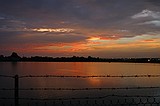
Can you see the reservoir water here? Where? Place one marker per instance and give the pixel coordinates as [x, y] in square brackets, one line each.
[63, 88]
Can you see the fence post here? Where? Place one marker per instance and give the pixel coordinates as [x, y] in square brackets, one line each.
[16, 91]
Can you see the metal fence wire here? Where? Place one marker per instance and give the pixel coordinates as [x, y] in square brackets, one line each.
[131, 101]
[106, 100]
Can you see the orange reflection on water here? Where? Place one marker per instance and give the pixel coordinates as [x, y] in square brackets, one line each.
[94, 81]
[82, 69]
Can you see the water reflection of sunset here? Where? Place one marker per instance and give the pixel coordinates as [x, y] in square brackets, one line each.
[83, 69]
[94, 81]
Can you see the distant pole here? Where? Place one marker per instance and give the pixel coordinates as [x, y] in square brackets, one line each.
[16, 91]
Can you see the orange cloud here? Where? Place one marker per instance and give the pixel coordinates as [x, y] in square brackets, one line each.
[53, 29]
[148, 40]
[102, 38]
[93, 38]
[90, 45]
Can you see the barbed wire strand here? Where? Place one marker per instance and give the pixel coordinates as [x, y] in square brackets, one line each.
[87, 76]
[75, 89]
[89, 98]
[109, 102]
[91, 76]
[101, 97]
[6, 76]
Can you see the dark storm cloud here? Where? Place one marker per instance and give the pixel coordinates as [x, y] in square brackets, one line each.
[79, 9]
[17, 37]
[87, 13]
[155, 2]
[100, 14]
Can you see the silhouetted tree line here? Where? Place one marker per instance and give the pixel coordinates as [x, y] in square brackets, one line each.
[15, 58]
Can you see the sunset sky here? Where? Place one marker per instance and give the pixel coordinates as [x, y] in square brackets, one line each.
[100, 28]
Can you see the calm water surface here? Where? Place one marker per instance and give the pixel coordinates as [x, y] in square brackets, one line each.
[77, 68]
